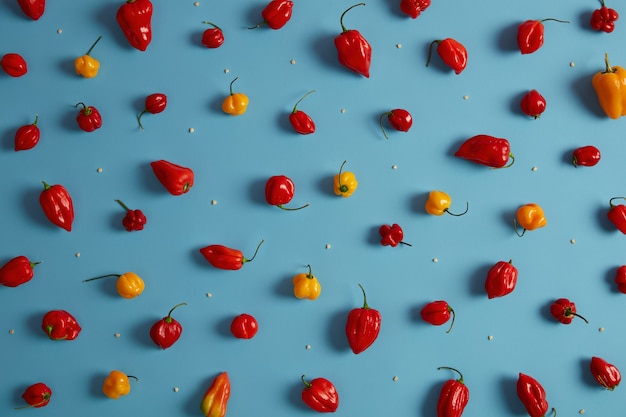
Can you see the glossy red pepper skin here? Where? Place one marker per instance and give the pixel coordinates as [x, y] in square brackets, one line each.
[617, 215]
[532, 395]
[279, 190]
[451, 52]
[213, 37]
[301, 122]
[223, 257]
[400, 119]
[438, 313]
[57, 205]
[276, 14]
[362, 326]
[60, 325]
[134, 17]
[176, 179]
[530, 35]
[501, 279]
[413, 8]
[134, 220]
[320, 395]
[354, 51]
[17, 271]
[88, 118]
[603, 19]
[620, 279]
[453, 397]
[586, 156]
[486, 150]
[564, 311]
[244, 326]
[604, 373]
[533, 104]
[391, 235]
[33, 8]
[165, 332]
[37, 395]
[154, 104]
[14, 65]
[27, 136]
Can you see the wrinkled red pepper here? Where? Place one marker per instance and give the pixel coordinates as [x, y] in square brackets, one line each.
[176, 179]
[155, 103]
[532, 395]
[135, 19]
[564, 311]
[501, 279]
[57, 205]
[620, 279]
[14, 64]
[300, 121]
[604, 373]
[437, 313]
[165, 332]
[212, 37]
[391, 235]
[399, 119]
[276, 14]
[586, 156]
[88, 118]
[617, 214]
[451, 52]
[603, 19]
[37, 395]
[17, 271]
[530, 35]
[533, 104]
[354, 51]
[134, 220]
[244, 326]
[413, 8]
[223, 257]
[279, 190]
[453, 397]
[60, 325]
[486, 150]
[362, 326]
[320, 395]
[27, 136]
[33, 8]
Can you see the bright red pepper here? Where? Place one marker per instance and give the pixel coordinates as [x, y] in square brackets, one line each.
[605, 374]
[617, 214]
[244, 326]
[276, 14]
[413, 8]
[165, 332]
[300, 121]
[399, 119]
[354, 51]
[391, 235]
[88, 118]
[501, 279]
[620, 279]
[320, 395]
[586, 156]
[279, 190]
[453, 397]
[564, 311]
[212, 37]
[176, 179]
[134, 220]
[14, 65]
[135, 19]
[532, 395]
[437, 313]
[223, 257]
[27, 136]
[37, 395]
[57, 205]
[155, 103]
[530, 35]
[17, 271]
[60, 325]
[486, 150]
[362, 326]
[603, 19]
[533, 104]
[33, 8]
[451, 52]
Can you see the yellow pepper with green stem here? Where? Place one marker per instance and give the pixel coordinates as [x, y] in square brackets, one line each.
[128, 285]
[86, 65]
[610, 87]
[235, 104]
[439, 202]
[345, 183]
[306, 285]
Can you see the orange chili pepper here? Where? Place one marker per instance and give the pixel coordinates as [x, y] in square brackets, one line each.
[610, 87]
[306, 285]
[439, 202]
[117, 384]
[529, 217]
[216, 398]
[235, 104]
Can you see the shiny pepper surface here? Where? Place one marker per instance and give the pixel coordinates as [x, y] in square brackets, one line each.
[33, 8]
[586, 156]
[86, 65]
[413, 8]
[529, 217]
[399, 119]
[135, 19]
[437, 313]
[154, 104]
[17, 271]
[453, 397]
[603, 19]
[244, 326]
[176, 179]
[532, 395]
[116, 384]
[530, 35]
[27, 136]
[564, 311]
[14, 65]
[223, 257]
[362, 326]
[604, 373]
[279, 190]
[134, 220]
[306, 285]
[486, 150]
[215, 400]
[37, 395]
[501, 279]
[354, 51]
[451, 52]
[276, 14]
[235, 104]
[212, 37]
[60, 325]
[610, 88]
[320, 395]
[391, 235]
[57, 205]
[88, 118]
[301, 122]
[165, 332]
[620, 279]
[128, 285]
[617, 214]
[533, 104]
[439, 202]
[345, 183]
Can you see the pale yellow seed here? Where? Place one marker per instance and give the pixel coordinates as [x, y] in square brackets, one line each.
[601, 329]
[395, 378]
[191, 130]
[196, 3]
[328, 246]
[175, 389]
[226, 71]
[582, 411]
[399, 46]
[59, 31]
[11, 331]
[394, 167]
[99, 169]
[213, 202]
[293, 61]
[572, 241]
[435, 260]
[77, 254]
[117, 335]
[343, 110]
[534, 169]
[307, 347]
[465, 97]
[490, 337]
[571, 64]
[209, 295]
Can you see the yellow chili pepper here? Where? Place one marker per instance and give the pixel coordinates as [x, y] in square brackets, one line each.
[529, 217]
[306, 285]
[117, 384]
[128, 285]
[439, 202]
[86, 65]
[345, 182]
[215, 399]
[610, 87]
[235, 104]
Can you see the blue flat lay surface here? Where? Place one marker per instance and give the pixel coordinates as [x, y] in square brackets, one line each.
[575, 256]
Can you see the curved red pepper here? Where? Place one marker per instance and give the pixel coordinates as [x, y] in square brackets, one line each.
[413, 8]
[14, 64]
[437, 313]
[33, 8]
[533, 104]
[362, 326]
[486, 150]
[57, 205]
[60, 325]
[223, 257]
[604, 373]
[564, 311]
[37, 395]
[176, 179]
[453, 397]
[212, 37]
[300, 121]
[530, 35]
[603, 19]
[27, 136]
[88, 118]
[244, 326]
[399, 119]
[391, 235]
[17, 271]
[276, 14]
[501, 279]
[354, 51]
[451, 52]
[320, 395]
[135, 19]
[279, 190]
[617, 214]
[586, 156]
[155, 103]
[532, 395]
[165, 332]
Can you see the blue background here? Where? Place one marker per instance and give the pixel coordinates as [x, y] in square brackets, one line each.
[232, 157]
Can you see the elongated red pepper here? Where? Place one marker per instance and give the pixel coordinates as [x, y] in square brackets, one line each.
[176, 179]
[215, 400]
[530, 35]
[320, 395]
[57, 205]
[617, 214]
[451, 52]
[354, 51]
[276, 14]
[532, 395]
[501, 279]
[223, 257]
[37, 395]
[486, 150]
[362, 326]
[437, 313]
[453, 397]
[413, 8]
[27, 136]
[604, 373]
[135, 19]
[17, 271]
[60, 325]
[33, 8]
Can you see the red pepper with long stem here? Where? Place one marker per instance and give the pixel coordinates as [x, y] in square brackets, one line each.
[165, 332]
[586, 156]
[135, 19]
[532, 395]
[603, 19]
[60, 325]
[530, 35]
[486, 150]
[176, 179]
[564, 311]
[453, 397]
[88, 118]
[27, 136]
[154, 104]
[604, 373]
[134, 220]
[437, 313]
[33, 8]
[391, 235]
[451, 52]
[17, 271]
[362, 326]
[212, 37]
[400, 119]
[320, 395]
[276, 14]
[354, 51]
[533, 104]
[279, 190]
[223, 257]
[57, 205]
[300, 121]
[501, 279]
[413, 8]
[37, 395]
[14, 64]
[617, 214]
[244, 326]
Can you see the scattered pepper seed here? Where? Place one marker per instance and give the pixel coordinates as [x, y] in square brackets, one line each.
[399, 46]
[175, 389]
[328, 246]
[117, 335]
[571, 64]
[59, 31]
[395, 378]
[77, 254]
[343, 110]
[213, 202]
[191, 130]
[465, 97]
[435, 260]
[307, 347]
[209, 295]
[490, 337]
[534, 169]
[99, 169]
[226, 71]
[601, 329]
[11, 331]
[572, 241]
[394, 167]
[582, 411]
[293, 61]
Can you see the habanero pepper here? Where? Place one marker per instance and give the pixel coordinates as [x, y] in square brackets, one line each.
[57, 205]
[176, 179]
[604, 373]
[617, 214]
[244, 326]
[603, 19]
[88, 118]
[437, 313]
[501, 279]
[354, 51]
[223, 257]
[486, 150]
[532, 395]
[453, 397]
[215, 400]
[134, 220]
[27, 136]
[154, 104]
[165, 332]
[530, 35]
[301, 122]
[391, 235]
[451, 52]
[14, 64]
[620, 279]
[399, 119]
[529, 217]
[60, 325]
[33, 8]
[212, 37]
[413, 8]
[306, 285]
[235, 104]
[17, 271]
[362, 326]
[134, 17]
[128, 285]
[117, 384]
[37, 395]
[279, 190]
[276, 14]
[86, 65]
[320, 395]
[586, 156]
[564, 311]
[344, 183]
[533, 104]
[439, 202]
[610, 88]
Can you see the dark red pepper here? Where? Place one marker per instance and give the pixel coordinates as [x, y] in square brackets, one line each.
[533, 104]
[586, 156]
[244, 326]
[486, 150]
[413, 8]
[399, 119]
[17, 271]
[27, 136]
[155, 103]
[300, 121]
[501, 279]
[564, 311]
[605, 374]
[320, 395]
[165, 332]
[37, 395]
[135, 19]
[279, 190]
[57, 205]
[223, 257]
[14, 65]
[451, 52]
[617, 214]
[212, 37]
[530, 35]
[532, 395]
[354, 51]
[362, 326]
[134, 220]
[453, 397]
[33, 8]
[620, 279]
[176, 179]
[60, 325]
[603, 19]
[391, 235]
[276, 14]
[437, 313]
[88, 118]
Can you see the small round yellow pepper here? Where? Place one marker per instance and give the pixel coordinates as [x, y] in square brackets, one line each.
[116, 384]
[306, 285]
[439, 202]
[345, 183]
[235, 104]
[529, 217]
[86, 65]
[128, 285]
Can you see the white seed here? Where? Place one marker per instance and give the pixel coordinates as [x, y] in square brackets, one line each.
[394, 167]
[213, 202]
[209, 295]
[293, 61]
[77, 254]
[117, 335]
[465, 97]
[99, 169]
[572, 241]
[571, 64]
[435, 260]
[601, 329]
[226, 71]
[534, 169]
[343, 110]
[582, 411]
[196, 3]
[399, 46]
[175, 389]
[328, 246]
[11, 331]
[307, 347]
[59, 31]
[191, 130]
[490, 337]
[395, 378]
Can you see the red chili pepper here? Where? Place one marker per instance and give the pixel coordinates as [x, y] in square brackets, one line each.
[486, 150]
[165, 332]
[57, 205]
[276, 14]
[60, 325]
[617, 214]
[362, 326]
[413, 8]
[605, 374]
[223, 257]
[176, 179]
[620, 279]
[564, 311]
[155, 103]
[135, 19]
[530, 35]
[212, 37]
[603, 19]
[279, 190]
[14, 64]
[501, 279]
[17, 271]
[300, 121]
[37, 395]
[134, 220]
[532, 395]
[533, 104]
[451, 52]
[33, 8]
[88, 118]
[320, 395]
[399, 119]
[27, 136]
[354, 51]
[586, 156]
[437, 313]
[453, 397]
[244, 326]
[391, 235]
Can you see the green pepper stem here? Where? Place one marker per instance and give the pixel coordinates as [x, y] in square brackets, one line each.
[453, 317]
[516, 230]
[310, 274]
[459, 214]
[364, 297]
[568, 313]
[555, 20]
[608, 69]
[124, 206]
[255, 252]
[342, 188]
[280, 206]
[306, 383]
[388, 114]
[455, 370]
[169, 315]
[430, 50]
[102, 276]
[94, 44]
[510, 163]
[615, 198]
[295, 108]
[46, 186]
[231, 85]
[36, 120]
[212, 24]
[343, 28]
